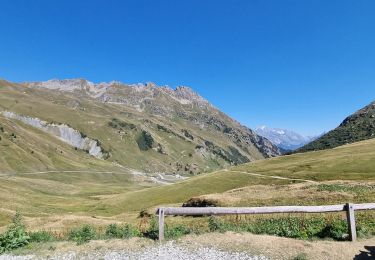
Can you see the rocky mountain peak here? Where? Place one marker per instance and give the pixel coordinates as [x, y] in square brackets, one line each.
[62, 84]
[164, 122]
[186, 93]
[116, 90]
[150, 85]
[284, 138]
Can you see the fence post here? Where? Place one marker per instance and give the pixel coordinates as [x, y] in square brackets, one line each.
[161, 224]
[351, 221]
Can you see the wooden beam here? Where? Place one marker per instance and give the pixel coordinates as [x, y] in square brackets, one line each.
[196, 211]
[351, 221]
[364, 206]
[161, 223]
[193, 211]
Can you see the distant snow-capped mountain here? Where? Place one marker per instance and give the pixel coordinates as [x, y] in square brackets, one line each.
[283, 138]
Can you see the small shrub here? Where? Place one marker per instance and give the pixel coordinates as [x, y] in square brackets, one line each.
[201, 202]
[176, 231]
[293, 227]
[285, 227]
[153, 230]
[365, 225]
[214, 224]
[106, 154]
[337, 230]
[40, 236]
[112, 124]
[171, 232]
[82, 235]
[187, 134]
[145, 141]
[301, 256]
[15, 236]
[83, 135]
[118, 124]
[126, 231]
[144, 214]
[113, 231]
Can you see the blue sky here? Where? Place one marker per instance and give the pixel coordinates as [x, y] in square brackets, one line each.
[302, 65]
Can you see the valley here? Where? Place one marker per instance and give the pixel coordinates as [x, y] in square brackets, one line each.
[159, 130]
[74, 153]
[64, 199]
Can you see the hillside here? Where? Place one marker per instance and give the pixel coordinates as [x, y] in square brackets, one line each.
[354, 162]
[75, 124]
[58, 200]
[356, 127]
[73, 153]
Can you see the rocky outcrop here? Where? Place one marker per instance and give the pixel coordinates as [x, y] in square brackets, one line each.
[128, 94]
[63, 132]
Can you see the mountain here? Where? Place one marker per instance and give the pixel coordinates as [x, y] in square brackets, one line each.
[356, 127]
[74, 123]
[286, 140]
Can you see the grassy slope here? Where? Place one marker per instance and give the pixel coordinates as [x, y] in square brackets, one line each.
[177, 193]
[110, 196]
[92, 118]
[45, 195]
[357, 127]
[350, 162]
[25, 149]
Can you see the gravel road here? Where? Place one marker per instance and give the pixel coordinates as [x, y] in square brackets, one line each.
[166, 251]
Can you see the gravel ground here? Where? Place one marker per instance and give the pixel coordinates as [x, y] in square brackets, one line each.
[166, 251]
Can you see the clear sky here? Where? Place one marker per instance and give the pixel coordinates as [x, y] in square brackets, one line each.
[302, 65]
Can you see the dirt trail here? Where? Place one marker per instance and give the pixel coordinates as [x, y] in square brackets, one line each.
[280, 248]
[272, 176]
[207, 246]
[59, 171]
[158, 178]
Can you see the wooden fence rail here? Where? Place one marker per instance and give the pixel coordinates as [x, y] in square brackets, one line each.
[349, 208]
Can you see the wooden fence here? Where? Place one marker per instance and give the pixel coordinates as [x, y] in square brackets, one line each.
[349, 208]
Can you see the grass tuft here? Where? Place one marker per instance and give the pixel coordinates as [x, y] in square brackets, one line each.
[41, 236]
[82, 235]
[15, 236]
[125, 231]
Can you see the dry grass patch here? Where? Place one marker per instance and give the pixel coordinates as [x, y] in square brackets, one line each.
[292, 194]
[278, 248]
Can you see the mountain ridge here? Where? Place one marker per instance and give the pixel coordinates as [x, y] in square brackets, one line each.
[182, 94]
[141, 126]
[356, 127]
[285, 139]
